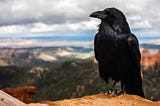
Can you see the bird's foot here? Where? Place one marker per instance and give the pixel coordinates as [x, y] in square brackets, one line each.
[118, 92]
[115, 92]
[110, 93]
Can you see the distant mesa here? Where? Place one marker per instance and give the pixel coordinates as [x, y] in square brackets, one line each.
[148, 59]
[46, 57]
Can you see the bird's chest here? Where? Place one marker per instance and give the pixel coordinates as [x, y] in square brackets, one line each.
[114, 45]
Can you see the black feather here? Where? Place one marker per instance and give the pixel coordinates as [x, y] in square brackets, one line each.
[117, 51]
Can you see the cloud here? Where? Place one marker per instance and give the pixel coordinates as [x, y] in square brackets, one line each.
[47, 11]
[40, 27]
[27, 16]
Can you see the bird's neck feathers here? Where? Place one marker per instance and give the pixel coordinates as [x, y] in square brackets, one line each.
[122, 27]
[119, 28]
[105, 27]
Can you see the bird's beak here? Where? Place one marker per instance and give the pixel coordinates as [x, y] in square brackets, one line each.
[98, 14]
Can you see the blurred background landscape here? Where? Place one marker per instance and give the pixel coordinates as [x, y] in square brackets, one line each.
[52, 49]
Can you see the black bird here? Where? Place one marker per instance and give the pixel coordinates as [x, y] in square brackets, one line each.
[117, 51]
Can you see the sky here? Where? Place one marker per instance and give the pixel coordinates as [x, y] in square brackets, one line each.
[71, 17]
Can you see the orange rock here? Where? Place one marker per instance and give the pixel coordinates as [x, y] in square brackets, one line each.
[103, 100]
[148, 59]
[22, 93]
[36, 104]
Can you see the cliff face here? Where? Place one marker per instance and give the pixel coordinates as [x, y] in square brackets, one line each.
[22, 93]
[13, 57]
[148, 59]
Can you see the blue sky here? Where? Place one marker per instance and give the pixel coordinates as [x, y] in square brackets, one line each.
[27, 18]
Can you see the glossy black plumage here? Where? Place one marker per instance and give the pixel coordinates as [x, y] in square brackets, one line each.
[117, 51]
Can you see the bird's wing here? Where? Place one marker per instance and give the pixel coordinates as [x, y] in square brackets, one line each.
[96, 47]
[134, 50]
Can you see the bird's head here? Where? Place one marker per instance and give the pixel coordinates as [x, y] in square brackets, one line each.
[114, 17]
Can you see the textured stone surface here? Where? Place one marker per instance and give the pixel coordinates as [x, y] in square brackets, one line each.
[7, 100]
[148, 59]
[22, 93]
[103, 100]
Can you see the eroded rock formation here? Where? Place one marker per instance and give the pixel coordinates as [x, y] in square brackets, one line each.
[22, 93]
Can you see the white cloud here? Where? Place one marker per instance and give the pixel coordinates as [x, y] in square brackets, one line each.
[84, 25]
[138, 22]
[27, 16]
[43, 27]
[12, 29]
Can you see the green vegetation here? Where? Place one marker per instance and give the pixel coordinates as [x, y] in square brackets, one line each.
[71, 78]
[151, 79]
[68, 80]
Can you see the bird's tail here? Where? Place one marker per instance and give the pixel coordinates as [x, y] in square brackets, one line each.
[134, 85]
[134, 90]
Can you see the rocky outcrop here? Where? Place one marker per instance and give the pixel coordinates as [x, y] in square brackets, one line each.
[102, 100]
[22, 93]
[148, 59]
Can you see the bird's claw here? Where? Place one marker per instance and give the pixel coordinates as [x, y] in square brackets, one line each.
[110, 93]
[113, 93]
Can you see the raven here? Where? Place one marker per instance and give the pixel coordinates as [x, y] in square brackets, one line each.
[117, 51]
